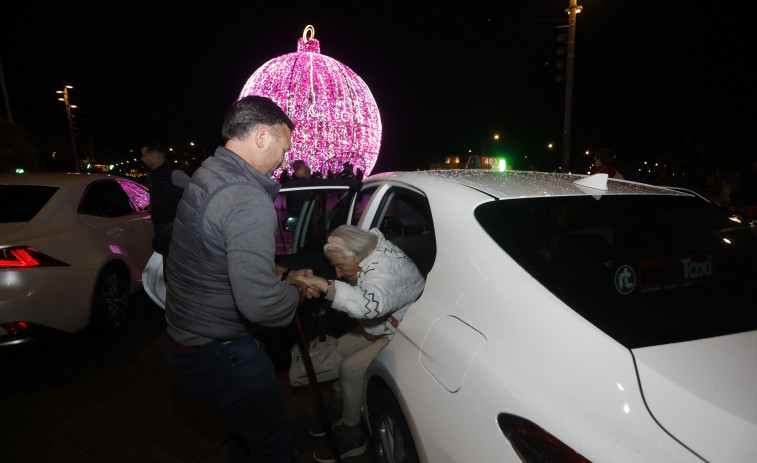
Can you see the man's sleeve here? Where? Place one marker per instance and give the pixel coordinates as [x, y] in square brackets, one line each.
[180, 178]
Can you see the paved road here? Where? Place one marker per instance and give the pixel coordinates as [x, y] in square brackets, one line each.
[90, 398]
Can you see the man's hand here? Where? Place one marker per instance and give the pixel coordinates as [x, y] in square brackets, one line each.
[316, 285]
[303, 272]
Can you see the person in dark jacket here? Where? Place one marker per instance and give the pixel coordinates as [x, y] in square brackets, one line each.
[222, 285]
[166, 185]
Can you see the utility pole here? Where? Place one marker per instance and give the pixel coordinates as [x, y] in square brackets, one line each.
[572, 11]
[70, 117]
[5, 94]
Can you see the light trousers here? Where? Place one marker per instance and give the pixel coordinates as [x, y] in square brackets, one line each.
[358, 352]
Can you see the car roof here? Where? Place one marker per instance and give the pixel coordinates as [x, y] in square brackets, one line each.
[519, 184]
[59, 179]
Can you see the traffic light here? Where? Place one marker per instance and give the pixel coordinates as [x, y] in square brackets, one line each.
[562, 52]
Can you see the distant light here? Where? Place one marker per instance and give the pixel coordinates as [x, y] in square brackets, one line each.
[19, 171]
[727, 241]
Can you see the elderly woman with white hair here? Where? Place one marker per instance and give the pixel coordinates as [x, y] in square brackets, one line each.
[379, 284]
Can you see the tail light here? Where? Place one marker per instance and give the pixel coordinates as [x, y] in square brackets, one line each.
[25, 257]
[17, 327]
[535, 445]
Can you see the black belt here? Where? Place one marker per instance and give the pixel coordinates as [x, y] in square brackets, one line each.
[187, 349]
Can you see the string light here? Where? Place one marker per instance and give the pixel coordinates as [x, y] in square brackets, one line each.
[336, 118]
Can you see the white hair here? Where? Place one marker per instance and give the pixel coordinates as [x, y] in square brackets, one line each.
[359, 243]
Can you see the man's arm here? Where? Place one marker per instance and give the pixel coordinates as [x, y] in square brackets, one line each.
[180, 178]
[248, 226]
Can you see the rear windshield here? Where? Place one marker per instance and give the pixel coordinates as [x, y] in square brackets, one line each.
[22, 202]
[646, 270]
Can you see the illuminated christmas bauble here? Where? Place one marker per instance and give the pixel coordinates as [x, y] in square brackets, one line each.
[336, 118]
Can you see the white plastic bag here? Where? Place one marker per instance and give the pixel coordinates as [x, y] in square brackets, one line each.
[325, 358]
[153, 280]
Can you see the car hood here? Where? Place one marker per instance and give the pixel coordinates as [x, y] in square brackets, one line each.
[703, 393]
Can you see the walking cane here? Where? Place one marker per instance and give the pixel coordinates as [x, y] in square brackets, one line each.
[322, 414]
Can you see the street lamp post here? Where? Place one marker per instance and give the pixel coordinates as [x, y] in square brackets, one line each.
[70, 117]
[572, 11]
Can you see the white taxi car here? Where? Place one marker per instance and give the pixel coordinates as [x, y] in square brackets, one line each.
[565, 318]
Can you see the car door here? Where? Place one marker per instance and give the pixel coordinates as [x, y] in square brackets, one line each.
[403, 215]
[308, 211]
[120, 226]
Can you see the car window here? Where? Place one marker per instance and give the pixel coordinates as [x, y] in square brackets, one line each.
[105, 198]
[361, 202]
[647, 270]
[22, 202]
[404, 218]
[139, 195]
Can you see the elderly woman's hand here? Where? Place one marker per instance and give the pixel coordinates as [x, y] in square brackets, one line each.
[316, 284]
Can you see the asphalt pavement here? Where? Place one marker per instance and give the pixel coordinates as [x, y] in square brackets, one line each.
[93, 398]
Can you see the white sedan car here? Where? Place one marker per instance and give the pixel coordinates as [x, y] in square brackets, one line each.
[72, 249]
[564, 319]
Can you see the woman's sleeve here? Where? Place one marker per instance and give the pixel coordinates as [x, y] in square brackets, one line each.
[384, 289]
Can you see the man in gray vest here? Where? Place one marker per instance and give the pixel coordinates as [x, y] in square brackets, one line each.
[222, 285]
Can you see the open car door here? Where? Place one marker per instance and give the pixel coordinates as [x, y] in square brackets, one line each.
[308, 211]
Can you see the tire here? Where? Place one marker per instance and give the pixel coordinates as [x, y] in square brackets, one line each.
[392, 441]
[110, 302]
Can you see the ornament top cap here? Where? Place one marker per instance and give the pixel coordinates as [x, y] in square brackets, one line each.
[308, 44]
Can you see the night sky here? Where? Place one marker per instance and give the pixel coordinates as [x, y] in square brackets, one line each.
[648, 78]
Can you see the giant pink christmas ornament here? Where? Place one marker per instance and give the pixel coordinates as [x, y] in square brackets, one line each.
[336, 118]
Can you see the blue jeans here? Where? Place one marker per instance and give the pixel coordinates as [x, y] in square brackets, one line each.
[238, 381]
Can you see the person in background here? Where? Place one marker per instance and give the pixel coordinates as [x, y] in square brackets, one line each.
[166, 185]
[347, 173]
[373, 270]
[604, 163]
[296, 199]
[223, 286]
[300, 170]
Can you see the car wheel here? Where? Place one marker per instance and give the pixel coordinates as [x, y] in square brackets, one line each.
[110, 304]
[392, 441]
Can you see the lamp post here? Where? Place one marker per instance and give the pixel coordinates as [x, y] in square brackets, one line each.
[572, 10]
[70, 117]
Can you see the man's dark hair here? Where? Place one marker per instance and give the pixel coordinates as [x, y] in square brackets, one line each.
[245, 115]
[605, 155]
[157, 148]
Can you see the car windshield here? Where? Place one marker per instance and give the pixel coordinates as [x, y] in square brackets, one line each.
[22, 202]
[646, 270]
